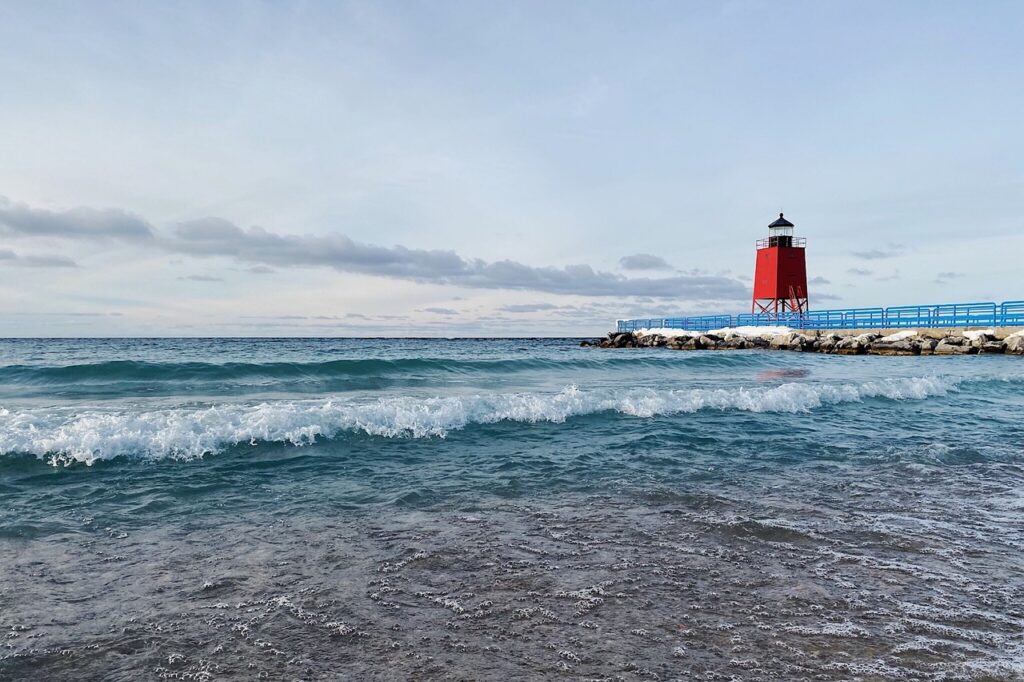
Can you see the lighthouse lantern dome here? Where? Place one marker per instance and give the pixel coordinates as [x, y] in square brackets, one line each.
[781, 227]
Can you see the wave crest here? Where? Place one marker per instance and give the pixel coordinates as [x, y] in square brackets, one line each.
[187, 433]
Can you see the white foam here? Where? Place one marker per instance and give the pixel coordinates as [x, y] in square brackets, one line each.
[64, 436]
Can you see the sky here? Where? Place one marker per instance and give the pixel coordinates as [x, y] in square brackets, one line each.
[496, 169]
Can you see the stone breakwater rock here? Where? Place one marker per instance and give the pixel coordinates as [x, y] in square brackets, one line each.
[901, 343]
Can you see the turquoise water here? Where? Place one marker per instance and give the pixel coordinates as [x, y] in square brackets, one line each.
[496, 509]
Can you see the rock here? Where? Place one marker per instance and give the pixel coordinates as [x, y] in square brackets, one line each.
[923, 342]
[867, 339]
[622, 340]
[803, 342]
[585, 343]
[980, 340]
[905, 346]
[652, 341]
[944, 347]
[709, 341]
[781, 341]
[851, 345]
[734, 342]
[1014, 344]
[827, 343]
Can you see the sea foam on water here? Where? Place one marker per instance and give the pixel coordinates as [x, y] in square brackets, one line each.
[73, 435]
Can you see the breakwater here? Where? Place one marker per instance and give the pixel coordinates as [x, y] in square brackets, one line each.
[932, 316]
[849, 342]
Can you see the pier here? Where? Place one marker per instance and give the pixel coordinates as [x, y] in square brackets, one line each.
[935, 316]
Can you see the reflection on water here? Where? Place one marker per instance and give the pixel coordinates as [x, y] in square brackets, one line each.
[789, 373]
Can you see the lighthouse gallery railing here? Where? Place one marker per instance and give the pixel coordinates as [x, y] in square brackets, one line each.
[1007, 314]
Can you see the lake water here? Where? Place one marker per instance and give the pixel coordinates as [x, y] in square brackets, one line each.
[506, 509]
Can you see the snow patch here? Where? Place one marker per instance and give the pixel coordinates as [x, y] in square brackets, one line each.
[975, 335]
[725, 332]
[899, 336]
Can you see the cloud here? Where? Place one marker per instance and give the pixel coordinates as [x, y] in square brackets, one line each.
[36, 261]
[891, 251]
[218, 237]
[48, 262]
[275, 317]
[74, 314]
[643, 261]
[944, 277]
[200, 278]
[528, 307]
[826, 297]
[261, 270]
[80, 223]
[439, 311]
[265, 249]
[818, 280]
[861, 272]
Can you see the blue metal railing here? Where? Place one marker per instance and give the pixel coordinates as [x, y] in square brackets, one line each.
[986, 314]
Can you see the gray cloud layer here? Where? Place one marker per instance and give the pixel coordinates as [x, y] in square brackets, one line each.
[89, 223]
[891, 251]
[528, 307]
[643, 261]
[218, 237]
[945, 277]
[200, 278]
[263, 249]
[36, 261]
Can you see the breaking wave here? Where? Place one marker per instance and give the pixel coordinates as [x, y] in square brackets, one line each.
[64, 437]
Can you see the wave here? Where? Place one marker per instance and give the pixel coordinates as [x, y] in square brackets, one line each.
[64, 437]
[144, 371]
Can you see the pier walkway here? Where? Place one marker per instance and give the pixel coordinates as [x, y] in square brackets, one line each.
[951, 315]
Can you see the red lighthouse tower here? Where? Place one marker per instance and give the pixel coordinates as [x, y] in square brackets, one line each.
[780, 275]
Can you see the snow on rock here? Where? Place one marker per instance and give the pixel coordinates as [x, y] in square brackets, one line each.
[666, 332]
[899, 336]
[752, 331]
[975, 335]
[725, 331]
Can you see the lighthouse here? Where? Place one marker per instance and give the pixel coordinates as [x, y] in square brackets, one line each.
[780, 272]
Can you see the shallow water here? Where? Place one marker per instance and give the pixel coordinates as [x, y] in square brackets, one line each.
[506, 509]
